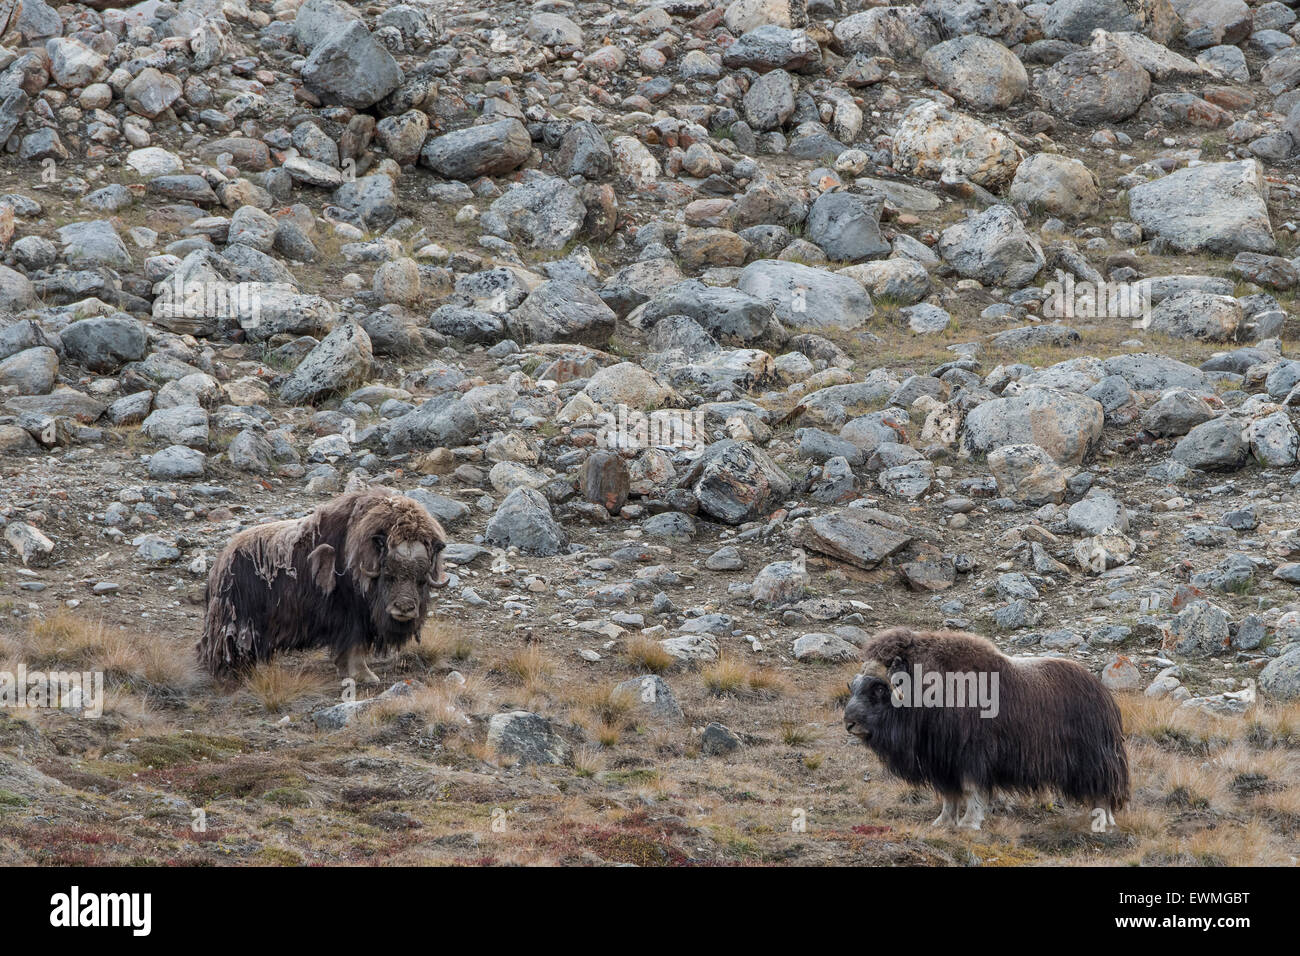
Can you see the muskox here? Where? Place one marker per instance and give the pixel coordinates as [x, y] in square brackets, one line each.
[953, 713]
[353, 576]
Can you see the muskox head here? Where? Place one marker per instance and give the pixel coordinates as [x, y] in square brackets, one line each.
[399, 574]
[395, 553]
[869, 708]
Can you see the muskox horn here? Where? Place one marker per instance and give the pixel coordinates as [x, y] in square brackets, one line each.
[369, 558]
[437, 576]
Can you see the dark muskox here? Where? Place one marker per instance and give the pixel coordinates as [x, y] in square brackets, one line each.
[353, 576]
[1050, 726]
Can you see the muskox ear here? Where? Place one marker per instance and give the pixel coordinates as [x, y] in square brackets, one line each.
[320, 564]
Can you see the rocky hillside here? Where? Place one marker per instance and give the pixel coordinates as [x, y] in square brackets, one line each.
[859, 260]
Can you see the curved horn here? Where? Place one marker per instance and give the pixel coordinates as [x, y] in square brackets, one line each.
[437, 576]
[369, 557]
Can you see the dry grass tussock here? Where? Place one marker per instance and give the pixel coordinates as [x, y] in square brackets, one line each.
[136, 661]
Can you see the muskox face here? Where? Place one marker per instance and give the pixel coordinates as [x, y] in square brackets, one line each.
[868, 708]
[402, 573]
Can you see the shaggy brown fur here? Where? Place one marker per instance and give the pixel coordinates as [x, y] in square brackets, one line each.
[1057, 727]
[353, 576]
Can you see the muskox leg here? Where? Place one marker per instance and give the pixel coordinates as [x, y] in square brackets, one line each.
[974, 815]
[352, 663]
[1099, 818]
[948, 816]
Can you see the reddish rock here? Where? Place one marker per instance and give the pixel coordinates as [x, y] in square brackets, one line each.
[605, 481]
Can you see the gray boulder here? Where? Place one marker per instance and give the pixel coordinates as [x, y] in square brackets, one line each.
[651, 699]
[1097, 85]
[1098, 513]
[1056, 186]
[994, 248]
[1273, 440]
[897, 32]
[341, 360]
[1217, 445]
[526, 737]
[444, 421]
[806, 297]
[1026, 473]
[16, 292]
[30, 372]
[1280, 678]
[584, 152]
[92, 244]
[1074, 20]
[932, 141]
[1209, 22]
[770, 101]
[772, 47]
[1176, 413]
[1197, 315]
[736, 482]
[351, 68]
[543, 213]
[524, 522]
[980, 72]
[177, 463]
[1174, 208]
[317, 19]
[103, 343]
[1065, 424]
[560, 310]
[720, 310]
[491, 149]
[847, 227]
[1147, 372]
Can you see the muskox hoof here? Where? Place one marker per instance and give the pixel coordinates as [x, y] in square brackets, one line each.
[352, 664]
[947, 818]
[974, 815]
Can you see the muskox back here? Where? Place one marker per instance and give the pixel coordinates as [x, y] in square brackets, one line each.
[1057, 728]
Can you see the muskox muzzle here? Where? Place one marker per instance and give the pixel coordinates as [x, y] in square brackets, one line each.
[868, 700]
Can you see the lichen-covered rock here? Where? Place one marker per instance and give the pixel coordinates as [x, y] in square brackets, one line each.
[1097, 85]
[1066, 425]
[931, 140]
[1174, 208]
[994, 248]
[980, 72]
[735, 482]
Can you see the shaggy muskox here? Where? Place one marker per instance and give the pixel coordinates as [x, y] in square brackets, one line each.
[953, 713]
[353, 576]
